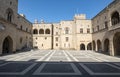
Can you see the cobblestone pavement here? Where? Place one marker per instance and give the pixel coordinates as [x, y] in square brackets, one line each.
[59, 63]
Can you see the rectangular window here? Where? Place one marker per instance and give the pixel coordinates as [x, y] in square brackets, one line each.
[56, 33]
[98, 28]
[81, 30]
[88, 30]
[67, 39]
[66, 30]
[106, 24]
[56, 38]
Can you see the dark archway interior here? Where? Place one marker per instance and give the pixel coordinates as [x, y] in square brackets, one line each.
[94, 46]
[106, 45]
[47, 31]
[116, 41]
[41, 31]
[89, 46]
[35, 31]
[7, 45]
[82, 47]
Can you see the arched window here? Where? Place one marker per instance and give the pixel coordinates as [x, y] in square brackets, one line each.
[115, 18]
[35, 31]
[9, 14]
[66, 30]
[47, 31]
[41, 31]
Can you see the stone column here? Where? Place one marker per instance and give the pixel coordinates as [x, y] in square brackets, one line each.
[96, 49]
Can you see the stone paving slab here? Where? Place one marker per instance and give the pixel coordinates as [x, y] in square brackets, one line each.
[101, 68]
[57, 69]
[15, 68]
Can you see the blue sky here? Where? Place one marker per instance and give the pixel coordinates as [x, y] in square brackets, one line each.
[57, 10]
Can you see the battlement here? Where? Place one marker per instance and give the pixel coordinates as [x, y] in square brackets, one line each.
[79, 16]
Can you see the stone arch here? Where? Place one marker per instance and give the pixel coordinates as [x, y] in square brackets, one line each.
[35, 31]
[116, 43]
[99, 45]
[115, 19]
[41, 31]
[82, 47]
[9, 14]
[94, 46]
[47, 31]
[106, 45]
[7, 46]
[89, 46]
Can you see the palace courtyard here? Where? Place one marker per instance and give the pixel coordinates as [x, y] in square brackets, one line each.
[59, 63]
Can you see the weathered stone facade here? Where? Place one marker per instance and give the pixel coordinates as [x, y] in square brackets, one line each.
[15, 30]
[64, 35]
[106, 29]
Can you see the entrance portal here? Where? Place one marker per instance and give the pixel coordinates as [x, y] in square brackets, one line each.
[7, 45]
[82, 47]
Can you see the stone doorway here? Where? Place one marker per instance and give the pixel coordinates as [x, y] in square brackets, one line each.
[7, 45]
[82, 47]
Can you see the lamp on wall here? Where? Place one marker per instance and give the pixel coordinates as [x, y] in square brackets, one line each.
[2, 27]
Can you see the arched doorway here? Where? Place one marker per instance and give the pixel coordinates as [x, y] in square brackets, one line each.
[7, 45]
[89, 46]
[106, 45]
[82, 47]
[99, 47]
[94, 46]
[116, 42]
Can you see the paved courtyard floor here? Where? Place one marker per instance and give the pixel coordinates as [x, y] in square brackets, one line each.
[59, 63]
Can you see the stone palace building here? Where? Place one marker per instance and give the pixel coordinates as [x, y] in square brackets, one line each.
[15, 30]
[75, 34]
[101, 33]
